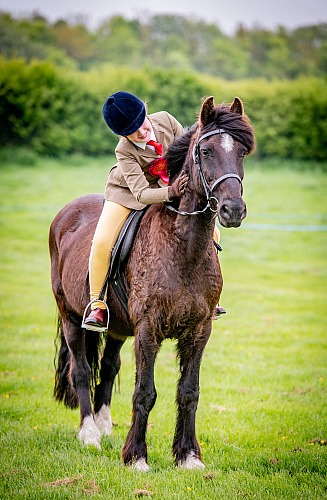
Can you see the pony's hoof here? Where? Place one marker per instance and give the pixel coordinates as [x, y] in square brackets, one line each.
[102, 420]
[89, 434]
[191, 462]
[140, 465]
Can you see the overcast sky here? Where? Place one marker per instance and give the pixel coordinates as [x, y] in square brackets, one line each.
[226, 14]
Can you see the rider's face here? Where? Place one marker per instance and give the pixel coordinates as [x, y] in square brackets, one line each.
[143, 134]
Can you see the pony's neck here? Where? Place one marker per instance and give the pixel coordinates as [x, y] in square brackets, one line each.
[194, 231]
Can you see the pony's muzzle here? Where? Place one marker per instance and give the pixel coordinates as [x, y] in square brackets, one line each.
[231, 212]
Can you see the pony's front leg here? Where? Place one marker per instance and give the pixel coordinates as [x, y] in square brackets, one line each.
[135, 449]
[186, 448]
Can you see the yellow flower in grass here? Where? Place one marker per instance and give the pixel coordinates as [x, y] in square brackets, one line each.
[35, 427]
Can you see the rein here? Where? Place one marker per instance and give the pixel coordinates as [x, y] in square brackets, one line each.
[207, 188]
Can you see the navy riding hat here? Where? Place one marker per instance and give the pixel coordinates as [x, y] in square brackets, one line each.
[124, 113]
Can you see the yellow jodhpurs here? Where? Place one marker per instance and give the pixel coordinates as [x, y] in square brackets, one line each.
[216, 234]
[110, 223]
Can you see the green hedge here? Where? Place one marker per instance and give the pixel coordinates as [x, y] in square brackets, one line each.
[52, 112]
[289, 117]
[47, 111]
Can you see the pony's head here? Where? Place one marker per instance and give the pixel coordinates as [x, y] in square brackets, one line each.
[221, 139]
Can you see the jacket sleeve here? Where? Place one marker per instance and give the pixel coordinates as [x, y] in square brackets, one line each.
[137, 183]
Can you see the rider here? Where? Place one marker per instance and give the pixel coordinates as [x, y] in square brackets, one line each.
[143, 139]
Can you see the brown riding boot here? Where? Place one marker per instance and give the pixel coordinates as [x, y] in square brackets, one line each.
[95, 320]
[218, 312]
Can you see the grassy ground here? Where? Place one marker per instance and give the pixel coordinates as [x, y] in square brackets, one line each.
[262, 413]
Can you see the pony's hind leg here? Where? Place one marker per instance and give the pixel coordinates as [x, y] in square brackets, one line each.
[80, 377]
[186, 448]
[110, 365]
[135, 449]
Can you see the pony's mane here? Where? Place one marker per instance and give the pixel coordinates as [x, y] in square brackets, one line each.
[236, 125]
[177, 152]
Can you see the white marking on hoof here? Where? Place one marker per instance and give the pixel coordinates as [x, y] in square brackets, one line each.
[89, 433]
[103, 421]
[191, 462]
[227, 142]
[141, 465]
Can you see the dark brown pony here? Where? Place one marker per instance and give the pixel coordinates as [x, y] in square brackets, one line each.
[174, 282]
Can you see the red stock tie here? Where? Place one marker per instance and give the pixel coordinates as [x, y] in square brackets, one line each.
[157, 147]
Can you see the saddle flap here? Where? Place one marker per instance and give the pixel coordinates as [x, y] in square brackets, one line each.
[125, 240]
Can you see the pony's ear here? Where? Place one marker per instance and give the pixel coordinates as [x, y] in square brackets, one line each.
[208, 108]
[237, 106]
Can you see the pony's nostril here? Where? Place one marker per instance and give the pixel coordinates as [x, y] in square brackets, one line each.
[225, 212]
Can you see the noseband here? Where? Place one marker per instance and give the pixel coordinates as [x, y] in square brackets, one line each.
[212, 202]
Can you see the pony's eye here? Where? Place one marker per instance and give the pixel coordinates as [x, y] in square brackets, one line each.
[205, 153]
[244, 153]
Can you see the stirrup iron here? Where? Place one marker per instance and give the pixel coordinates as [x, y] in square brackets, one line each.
[96, 328]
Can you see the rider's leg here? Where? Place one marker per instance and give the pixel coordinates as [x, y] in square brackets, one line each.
[109, 225]
[216, 234]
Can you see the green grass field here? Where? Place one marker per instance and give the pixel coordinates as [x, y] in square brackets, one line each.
[261, 420]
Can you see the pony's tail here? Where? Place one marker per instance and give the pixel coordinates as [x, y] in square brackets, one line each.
[63, 389]
[94, 343]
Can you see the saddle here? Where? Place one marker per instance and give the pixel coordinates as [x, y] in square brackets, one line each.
[119, 255]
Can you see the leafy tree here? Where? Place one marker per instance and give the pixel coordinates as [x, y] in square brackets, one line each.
[169, 42]
[16, 42]
[228, 59]
[118, 41]
[75, 41]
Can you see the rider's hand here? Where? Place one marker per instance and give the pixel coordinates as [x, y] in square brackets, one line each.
[177, 189]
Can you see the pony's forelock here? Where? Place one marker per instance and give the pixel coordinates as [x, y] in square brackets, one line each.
[238, 126]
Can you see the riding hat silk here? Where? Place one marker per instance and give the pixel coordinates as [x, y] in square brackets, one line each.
[124, 113]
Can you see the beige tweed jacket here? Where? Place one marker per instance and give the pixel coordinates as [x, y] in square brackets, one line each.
[129, 182]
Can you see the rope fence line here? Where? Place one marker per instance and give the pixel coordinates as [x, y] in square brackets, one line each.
[253, 226]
